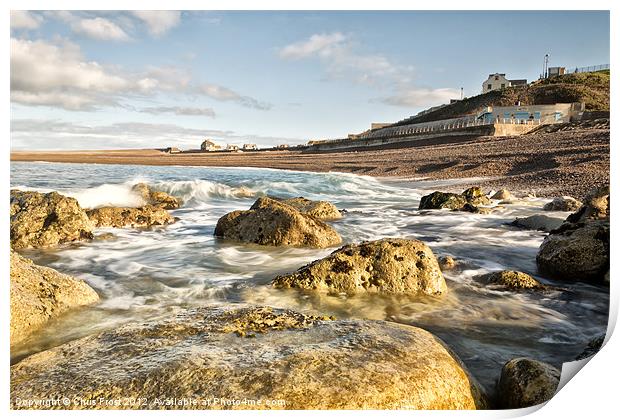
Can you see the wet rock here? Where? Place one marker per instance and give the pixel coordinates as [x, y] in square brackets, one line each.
[476, 197]
[538, 222]
[502, 194]
[513, 280]
[447, 263]
[106, 236]
[270, 222]
[562, 204]
[576, 252]
[400, 266]
[592, 347]
[526, 382]
[254, 353]
[595, 207]
[44, 220]
[41, 293]
[468, 207]
[157, 198]
[320, 209]
[442, 200]
[119, 217]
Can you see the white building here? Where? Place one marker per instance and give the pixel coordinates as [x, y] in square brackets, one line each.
[498, 81]
[210, 146]
[232, 147]
[250, 146]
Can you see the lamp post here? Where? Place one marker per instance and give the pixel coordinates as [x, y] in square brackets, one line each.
[545, 66]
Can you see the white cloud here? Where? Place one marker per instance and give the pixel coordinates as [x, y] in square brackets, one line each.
[158, 22]
[178, 110]
[41, 134]
[100, 28]
[22, 19]
[420, 97]
[58, 75]
[318, 44]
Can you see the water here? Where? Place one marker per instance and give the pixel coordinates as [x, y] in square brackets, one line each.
[149, 273]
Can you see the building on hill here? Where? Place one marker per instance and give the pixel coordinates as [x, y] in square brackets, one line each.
[498, 81]
[556, 71]
[232, 147]
[210, 146]
[249, 146]
[173, 150]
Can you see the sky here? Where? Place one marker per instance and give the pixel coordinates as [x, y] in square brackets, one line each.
[150, 79]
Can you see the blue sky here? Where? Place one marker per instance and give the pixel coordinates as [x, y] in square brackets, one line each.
[93, 80]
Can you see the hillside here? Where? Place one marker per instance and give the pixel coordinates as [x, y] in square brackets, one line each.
[590, 88]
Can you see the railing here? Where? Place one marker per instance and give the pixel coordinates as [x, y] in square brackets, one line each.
[587, 69]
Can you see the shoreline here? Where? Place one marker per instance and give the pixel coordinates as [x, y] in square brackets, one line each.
[541, 163]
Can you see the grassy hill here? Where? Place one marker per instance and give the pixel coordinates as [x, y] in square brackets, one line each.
[590, 88]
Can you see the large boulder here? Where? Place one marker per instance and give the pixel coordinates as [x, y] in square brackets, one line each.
[323, 210]
[526, 382]
[562, 204]
[270, 222]
[576, 252]
[157, 198]
[595, 207]
[538, 222]
[41, 293]
[502, 194]
[119, 217]
[401, 266]
[250, 358]
[468, 200]
[44, 220]
[513, 280]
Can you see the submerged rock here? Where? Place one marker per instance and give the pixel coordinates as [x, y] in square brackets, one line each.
[320, 209]
[130, 216]
[592, 347]
[446, 263]
[468, 200]
[576, 252]
[595, 207]
[303, 362]
[41, 293]
[502, 194]
[157, 198]
[538, 222]
[43, 220]
[401, 266]
[562, 204]
[514, 280]
[270, 222]
[526, 382]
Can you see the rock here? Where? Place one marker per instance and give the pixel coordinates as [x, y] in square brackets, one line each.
[252, 354]
[476, 197]
[475, 209]
[130, 216]
[320, 209]
[442, 200]
[576, 252]
[562, 204]
[41, 293]
[502, 194]
[44, 220]
[270, 222]
[596, 206]
[157, 198]
[526, 382]
[447, 263]
[399, 266]
[538, 222]
[592, 347]
[514, 280]
[106, 236]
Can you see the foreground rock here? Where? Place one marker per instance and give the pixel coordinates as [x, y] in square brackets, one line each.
[157, 198]
[538, 222]
[595, 207]
[468, 200]
[399, 266]
[252, 354]
[513, 280]
[526, 382]
[43, 220]
[562, 204]
[119, 217]
[270, 222]
[320, 209]
[39, 294]
[576, 252]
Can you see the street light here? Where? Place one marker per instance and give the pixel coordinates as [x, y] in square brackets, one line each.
[545, 66]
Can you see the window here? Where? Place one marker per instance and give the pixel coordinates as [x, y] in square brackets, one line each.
[496, 77]
[503, 85]
[489, 86]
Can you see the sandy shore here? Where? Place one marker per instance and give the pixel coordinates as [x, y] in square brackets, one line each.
[547, 164]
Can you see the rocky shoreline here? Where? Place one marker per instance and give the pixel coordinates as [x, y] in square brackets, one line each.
[261, 353]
